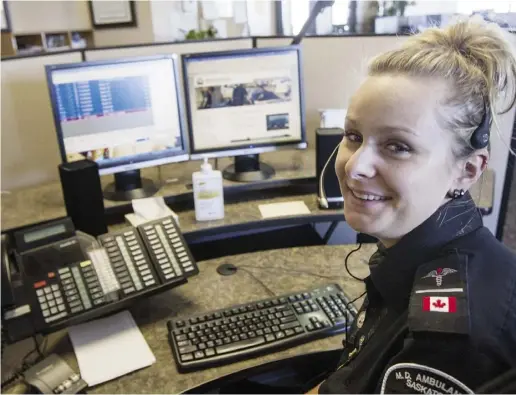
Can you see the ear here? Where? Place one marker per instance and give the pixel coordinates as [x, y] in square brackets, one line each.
[472, 169]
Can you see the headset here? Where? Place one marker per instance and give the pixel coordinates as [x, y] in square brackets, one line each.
[479, 139]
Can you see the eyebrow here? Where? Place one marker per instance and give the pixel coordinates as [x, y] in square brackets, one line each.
[386, 127]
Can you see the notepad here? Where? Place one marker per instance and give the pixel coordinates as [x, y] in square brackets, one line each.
[283, 209]
[110, 347]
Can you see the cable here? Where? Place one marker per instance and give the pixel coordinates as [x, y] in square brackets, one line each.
[18, 373]
[346, 263]
[347, 309]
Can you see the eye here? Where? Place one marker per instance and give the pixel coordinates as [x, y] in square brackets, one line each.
[398, 148]
[352, 136]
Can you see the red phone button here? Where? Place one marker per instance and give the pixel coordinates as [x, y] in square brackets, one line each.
[40, 284]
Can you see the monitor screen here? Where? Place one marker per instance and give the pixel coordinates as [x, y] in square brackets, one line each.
[244, 101]
[123, 114]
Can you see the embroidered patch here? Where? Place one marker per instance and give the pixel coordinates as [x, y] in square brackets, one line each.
[413, 378]
[441, 304]
[439, 273]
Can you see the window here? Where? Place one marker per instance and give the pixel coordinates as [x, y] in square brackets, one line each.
[300, 10]
[469, 6]
[340, 12]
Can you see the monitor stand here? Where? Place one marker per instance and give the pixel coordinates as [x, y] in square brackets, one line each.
[130, 185]
[248, 168]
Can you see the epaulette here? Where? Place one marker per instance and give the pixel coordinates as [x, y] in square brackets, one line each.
[439, 298]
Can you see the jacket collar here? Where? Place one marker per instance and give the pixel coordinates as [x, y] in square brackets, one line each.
[393, 269]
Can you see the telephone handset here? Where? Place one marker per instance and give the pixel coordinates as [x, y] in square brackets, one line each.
[58, 274]
[53, 277]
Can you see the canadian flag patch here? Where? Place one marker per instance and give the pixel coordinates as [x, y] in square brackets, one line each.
[442, 304]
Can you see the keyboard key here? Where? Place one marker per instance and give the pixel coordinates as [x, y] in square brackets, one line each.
[232, 347]
[187, 349]
[198, 354]
[187, 357]
[209, 352]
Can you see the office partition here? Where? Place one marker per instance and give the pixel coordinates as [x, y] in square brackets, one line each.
[30, 153]
[166, 48]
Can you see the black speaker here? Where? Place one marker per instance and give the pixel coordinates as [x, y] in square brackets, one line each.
[326, 141]
[82, 194]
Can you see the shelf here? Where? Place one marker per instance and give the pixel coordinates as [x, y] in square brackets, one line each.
[49, 41]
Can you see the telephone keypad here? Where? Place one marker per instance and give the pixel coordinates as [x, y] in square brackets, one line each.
[128, 260]
[51, 303]
[165, 244]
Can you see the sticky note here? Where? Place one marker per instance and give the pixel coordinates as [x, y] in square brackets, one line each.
[283, 209]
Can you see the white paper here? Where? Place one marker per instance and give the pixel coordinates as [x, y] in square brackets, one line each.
[111, 11]
[222, 28]
[283, 209]
[215, 9]
[110, 347]
[240, 11]
[333, 117]
[149, 209]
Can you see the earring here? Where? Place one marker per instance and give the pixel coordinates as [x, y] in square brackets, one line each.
[456, 193]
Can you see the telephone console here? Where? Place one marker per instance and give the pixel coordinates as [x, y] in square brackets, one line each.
[52, 273]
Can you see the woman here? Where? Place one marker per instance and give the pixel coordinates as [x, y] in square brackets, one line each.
[440, 309]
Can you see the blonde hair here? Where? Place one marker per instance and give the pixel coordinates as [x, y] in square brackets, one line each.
[475, 58]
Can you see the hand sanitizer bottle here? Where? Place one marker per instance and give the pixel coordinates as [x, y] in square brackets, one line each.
[208, 193]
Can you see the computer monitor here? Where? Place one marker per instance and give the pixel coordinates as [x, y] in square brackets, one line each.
[242, 103]
[124, 114]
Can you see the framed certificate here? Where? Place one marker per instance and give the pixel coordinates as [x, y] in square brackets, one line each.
[113, 13]
[4, 11]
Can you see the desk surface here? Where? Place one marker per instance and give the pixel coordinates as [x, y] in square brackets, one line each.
[209, 291]
[36, 204]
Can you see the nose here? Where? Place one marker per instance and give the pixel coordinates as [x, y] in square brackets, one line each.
[361, 164]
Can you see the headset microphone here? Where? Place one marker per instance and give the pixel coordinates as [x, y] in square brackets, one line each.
[323, 201]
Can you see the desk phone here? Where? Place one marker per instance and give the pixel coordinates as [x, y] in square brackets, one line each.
[54, 273]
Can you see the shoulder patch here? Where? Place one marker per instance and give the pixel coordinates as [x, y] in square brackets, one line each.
[414, 378]
[439, 299]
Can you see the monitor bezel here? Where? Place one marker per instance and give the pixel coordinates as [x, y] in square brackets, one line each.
[245, 149]
[181, 155]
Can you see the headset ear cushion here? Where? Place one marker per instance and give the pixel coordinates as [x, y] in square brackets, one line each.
[480, 137]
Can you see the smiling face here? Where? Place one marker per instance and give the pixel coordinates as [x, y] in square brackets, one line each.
[395, 163]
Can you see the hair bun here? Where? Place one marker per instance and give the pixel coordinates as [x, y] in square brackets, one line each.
[484, 46]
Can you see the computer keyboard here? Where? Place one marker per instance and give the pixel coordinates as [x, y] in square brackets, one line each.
[241, 331]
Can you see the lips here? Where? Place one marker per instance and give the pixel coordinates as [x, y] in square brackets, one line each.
[368, 196]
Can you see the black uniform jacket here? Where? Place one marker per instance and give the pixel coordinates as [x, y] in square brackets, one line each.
[440, 311]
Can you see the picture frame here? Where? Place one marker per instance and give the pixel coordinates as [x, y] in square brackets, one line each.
[5, 17]
[112, 14]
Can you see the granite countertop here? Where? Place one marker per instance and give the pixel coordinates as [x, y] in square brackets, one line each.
[31, 205]
[45, 202]
[279, 269]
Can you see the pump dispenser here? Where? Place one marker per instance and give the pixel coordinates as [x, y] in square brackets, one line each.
[208, 193]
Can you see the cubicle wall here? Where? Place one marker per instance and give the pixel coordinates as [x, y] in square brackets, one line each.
[334, 67]
[30, 152]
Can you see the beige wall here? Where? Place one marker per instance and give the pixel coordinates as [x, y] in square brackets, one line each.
[38, 16]
[30, 153]
[140, 34]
